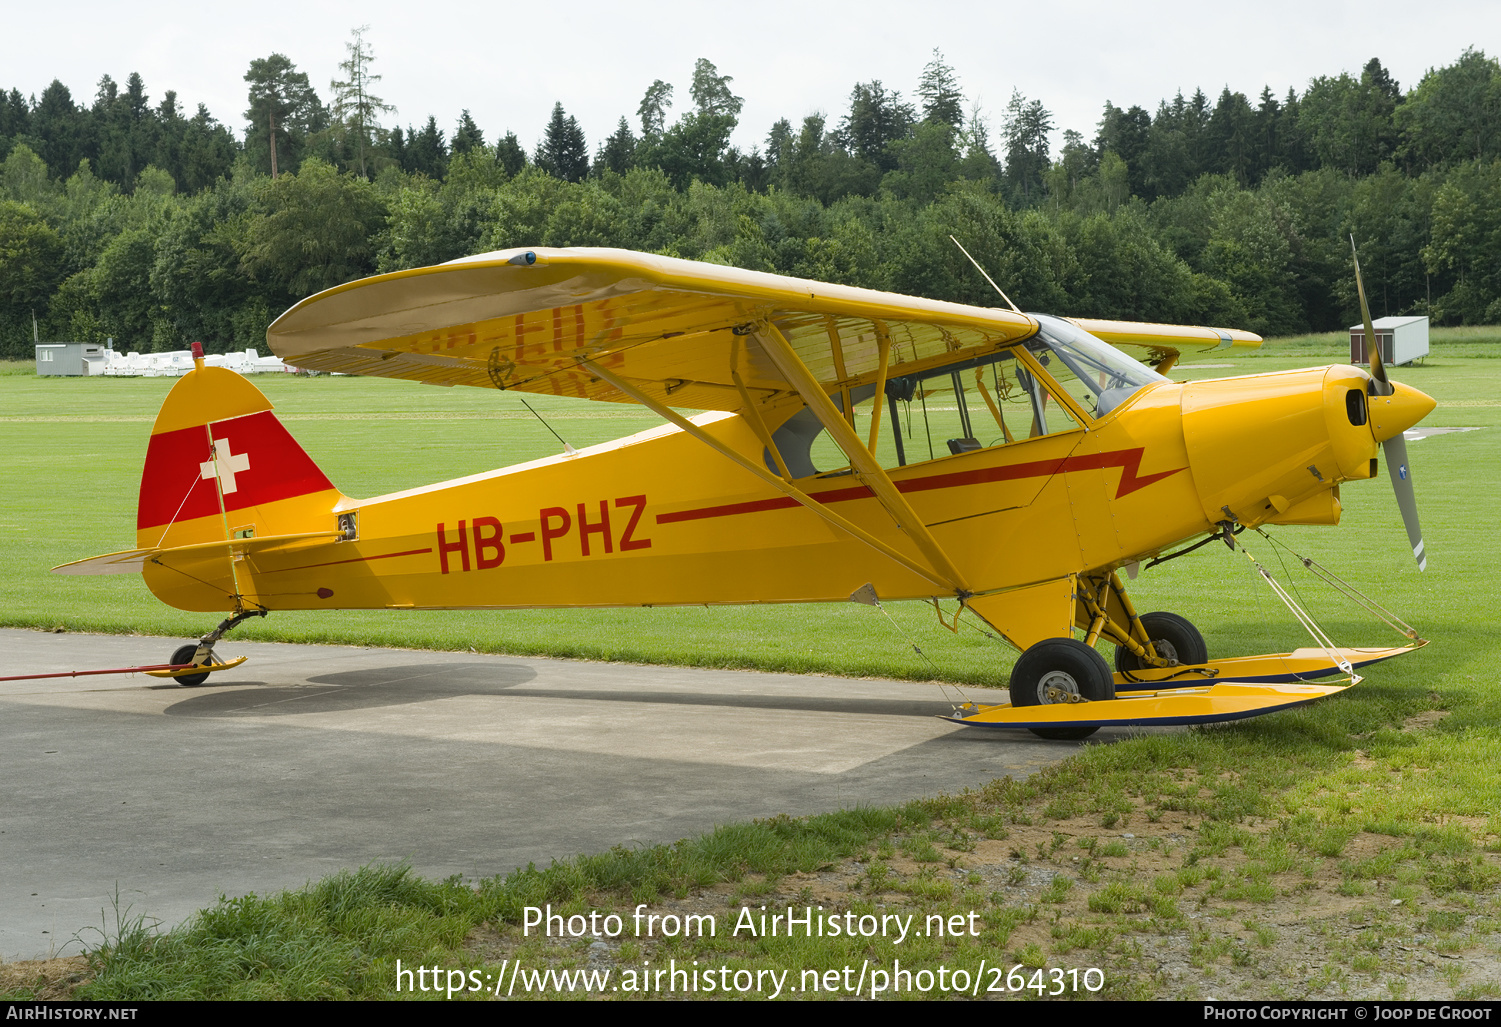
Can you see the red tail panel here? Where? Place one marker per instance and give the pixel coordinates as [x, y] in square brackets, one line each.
[254, 459]
[285, 469]
[172, 484]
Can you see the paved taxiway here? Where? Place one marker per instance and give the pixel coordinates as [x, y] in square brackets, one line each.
[311, 759]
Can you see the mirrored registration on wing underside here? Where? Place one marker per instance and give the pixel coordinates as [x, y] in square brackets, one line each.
[520, 349]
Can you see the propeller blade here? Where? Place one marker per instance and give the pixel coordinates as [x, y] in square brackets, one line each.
[1383, 387]
[1394, 450]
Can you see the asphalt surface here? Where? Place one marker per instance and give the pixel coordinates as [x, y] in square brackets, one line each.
[307, 760]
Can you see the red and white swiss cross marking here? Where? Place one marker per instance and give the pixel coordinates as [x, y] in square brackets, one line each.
[224, 466]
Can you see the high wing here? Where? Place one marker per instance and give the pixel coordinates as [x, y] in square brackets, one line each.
[678, 331]
[1162, 342]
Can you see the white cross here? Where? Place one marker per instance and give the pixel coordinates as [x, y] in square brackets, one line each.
[224, 466]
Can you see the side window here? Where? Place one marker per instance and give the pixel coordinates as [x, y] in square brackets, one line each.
[1053, 416]
[1017, 404]
[993, 401]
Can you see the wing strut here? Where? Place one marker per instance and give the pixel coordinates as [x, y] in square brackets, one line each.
[753, 415]
[787, 488]
[867, 469]
[875, 401]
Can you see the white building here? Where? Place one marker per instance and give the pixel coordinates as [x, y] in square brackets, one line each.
[1402, 340]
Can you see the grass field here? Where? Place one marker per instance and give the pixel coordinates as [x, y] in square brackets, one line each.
[1359, 837]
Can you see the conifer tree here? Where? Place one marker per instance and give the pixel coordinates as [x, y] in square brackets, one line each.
[467, 136]
[1027, 126]
[284, 110]
[941, 99]
[427, 152]
[563, 152]
[618, 153]
[711, 91]
[509, 154]
[653, 110]
[357, 109]
[877, 118]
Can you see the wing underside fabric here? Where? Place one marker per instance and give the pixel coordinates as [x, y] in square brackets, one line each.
[679, 331]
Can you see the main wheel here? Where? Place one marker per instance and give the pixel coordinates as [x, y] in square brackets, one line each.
[1053, 671]
[1173, 637]
[185, 654]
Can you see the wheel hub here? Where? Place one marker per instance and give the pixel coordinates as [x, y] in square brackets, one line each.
[1165, 651]
[1058, 686]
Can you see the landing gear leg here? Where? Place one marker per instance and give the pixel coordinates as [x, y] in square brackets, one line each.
[201, 654]
[1142, 642]
[1173, 638]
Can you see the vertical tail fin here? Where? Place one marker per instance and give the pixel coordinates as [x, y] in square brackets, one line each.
[220, 465]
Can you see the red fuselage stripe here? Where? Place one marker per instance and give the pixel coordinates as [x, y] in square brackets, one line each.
[1128, 460]
[357, 559]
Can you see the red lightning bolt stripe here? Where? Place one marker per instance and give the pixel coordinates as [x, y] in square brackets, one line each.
[1128, 460]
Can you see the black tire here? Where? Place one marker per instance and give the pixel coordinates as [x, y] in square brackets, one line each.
[1063, 663]
[1066, 664]
[1170, 632]
[185, 654]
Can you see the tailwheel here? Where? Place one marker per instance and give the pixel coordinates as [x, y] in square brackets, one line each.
[1061, 670]
[185, 654]
[1173, 638]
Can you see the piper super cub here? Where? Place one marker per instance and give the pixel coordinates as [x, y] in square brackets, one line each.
[850, 444]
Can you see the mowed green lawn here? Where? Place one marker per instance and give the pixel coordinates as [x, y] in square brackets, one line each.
[69, 474]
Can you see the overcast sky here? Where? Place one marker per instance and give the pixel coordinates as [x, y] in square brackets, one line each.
[508, 63]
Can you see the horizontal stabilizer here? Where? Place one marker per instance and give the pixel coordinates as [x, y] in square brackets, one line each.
[131, 561]
[126, 562]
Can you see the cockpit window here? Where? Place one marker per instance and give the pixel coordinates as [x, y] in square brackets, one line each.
[1095, 373]
[988, 401]
[975, 404]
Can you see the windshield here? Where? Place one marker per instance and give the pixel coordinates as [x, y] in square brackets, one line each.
[1097, 374]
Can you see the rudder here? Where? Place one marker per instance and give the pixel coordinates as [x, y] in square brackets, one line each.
[220, 465]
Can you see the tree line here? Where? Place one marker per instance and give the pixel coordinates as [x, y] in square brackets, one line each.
[131, 220]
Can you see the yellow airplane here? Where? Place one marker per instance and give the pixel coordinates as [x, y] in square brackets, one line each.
[851, 444]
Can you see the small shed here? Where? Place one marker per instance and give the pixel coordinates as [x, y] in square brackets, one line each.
[1402, 340]
[68, 358]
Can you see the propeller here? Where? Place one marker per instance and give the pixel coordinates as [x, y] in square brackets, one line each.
[1394, 449]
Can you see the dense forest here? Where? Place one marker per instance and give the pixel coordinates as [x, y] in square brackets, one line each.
[135, 221]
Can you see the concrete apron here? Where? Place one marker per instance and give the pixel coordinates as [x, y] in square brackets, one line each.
[311, 759]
